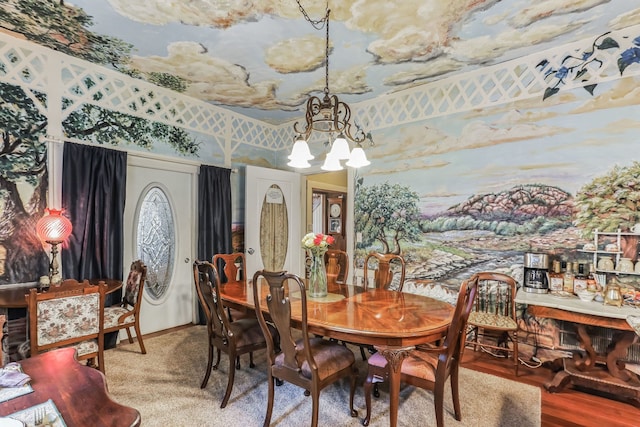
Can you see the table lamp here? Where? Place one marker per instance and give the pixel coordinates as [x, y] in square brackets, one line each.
[53, 228]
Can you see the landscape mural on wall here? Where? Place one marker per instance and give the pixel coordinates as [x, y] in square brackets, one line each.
[539, 174]
[473, 191]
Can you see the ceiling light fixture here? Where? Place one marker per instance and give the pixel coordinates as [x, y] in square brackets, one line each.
[328, 115]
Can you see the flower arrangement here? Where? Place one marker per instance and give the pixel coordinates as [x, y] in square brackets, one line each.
[317, 243]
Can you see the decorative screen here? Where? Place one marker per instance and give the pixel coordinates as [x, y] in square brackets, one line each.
[156, 241]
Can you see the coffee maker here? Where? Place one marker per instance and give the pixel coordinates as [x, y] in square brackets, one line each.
[536, 273]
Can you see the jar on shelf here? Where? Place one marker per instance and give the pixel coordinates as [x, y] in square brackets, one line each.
[605, 263]
[625, 265]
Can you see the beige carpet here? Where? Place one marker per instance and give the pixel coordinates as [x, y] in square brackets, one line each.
[164, 385]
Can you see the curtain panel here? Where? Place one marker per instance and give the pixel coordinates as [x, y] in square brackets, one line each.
[214, 214]
[93, 196]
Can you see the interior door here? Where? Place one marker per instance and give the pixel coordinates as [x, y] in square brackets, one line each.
[159, 229]
[273, 211]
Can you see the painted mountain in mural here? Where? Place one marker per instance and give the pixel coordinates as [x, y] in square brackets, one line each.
[518, 204]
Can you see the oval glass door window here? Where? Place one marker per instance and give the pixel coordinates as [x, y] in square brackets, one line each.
[274, 229]
[155, 241]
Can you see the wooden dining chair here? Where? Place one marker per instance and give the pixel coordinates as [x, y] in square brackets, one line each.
[388, 271]
[68, 317]
[337, 264]
[311, 363]
[126, 315]
[71, 282]
[235, 337]
[429, 366]
[493, 323]
[231, 269]
[3, 320]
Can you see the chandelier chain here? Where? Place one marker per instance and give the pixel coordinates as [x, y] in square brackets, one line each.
[326, 57]
[317, 23]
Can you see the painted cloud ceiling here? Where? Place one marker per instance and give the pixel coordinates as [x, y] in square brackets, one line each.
[261, 58]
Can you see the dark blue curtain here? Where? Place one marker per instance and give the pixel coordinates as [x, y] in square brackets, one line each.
[93, 197]
[214, 214]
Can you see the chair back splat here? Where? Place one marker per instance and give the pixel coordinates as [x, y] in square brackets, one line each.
[429, 366]
[231, 269]
[388, 271]
[337, 263]
[233, 337]
[3, 320]
[311, 363]
[126, 315]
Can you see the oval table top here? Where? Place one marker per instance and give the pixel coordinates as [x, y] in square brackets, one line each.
[14, 296]
[363, 316]
[78, 391]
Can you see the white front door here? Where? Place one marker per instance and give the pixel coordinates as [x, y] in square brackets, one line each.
[273, 211]
[159, 229]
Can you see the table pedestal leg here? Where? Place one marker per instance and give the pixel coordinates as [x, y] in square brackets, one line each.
[394, 357]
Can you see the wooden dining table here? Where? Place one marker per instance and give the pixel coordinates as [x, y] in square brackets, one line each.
[78, 392]
[15, 296]
[393, 322]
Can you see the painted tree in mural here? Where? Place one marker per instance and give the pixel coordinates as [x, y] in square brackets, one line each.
[611, 202]
[387, 214]
[110, 127]
[63, 28]
[23, 186]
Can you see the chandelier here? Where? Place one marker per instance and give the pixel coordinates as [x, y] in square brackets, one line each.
[332, 116]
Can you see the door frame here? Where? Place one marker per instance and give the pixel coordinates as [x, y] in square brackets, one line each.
[307, 200]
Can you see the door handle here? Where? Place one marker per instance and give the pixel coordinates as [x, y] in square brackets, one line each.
[186, 260]
[250, 251]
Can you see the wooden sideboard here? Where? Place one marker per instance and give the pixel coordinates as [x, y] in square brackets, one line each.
[602, 371]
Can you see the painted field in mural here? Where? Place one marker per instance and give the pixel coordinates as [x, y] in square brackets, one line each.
[473, 191]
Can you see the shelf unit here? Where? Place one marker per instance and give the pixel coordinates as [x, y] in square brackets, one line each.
[615, 255]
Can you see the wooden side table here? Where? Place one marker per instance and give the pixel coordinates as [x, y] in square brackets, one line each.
[604, 372]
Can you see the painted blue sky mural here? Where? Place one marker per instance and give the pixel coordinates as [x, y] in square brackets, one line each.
[262, 59]
[564, 143]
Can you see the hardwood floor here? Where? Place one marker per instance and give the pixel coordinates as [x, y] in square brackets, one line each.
[568, 408]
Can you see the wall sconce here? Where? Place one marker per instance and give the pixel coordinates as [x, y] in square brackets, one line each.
[54, 229]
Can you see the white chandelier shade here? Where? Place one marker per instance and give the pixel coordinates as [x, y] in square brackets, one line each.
[358, 158]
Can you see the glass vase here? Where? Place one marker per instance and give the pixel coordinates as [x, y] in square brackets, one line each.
[317, 276]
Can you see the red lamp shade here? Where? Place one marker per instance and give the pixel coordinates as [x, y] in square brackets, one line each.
[53, 227]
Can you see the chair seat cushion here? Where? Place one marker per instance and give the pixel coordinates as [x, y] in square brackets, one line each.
[247, 332]
[419, 364]
[477, 318]
[330, 357]
[112, 314]
[83, 348]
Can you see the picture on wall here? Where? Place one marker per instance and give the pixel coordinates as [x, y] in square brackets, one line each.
[335, 225]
